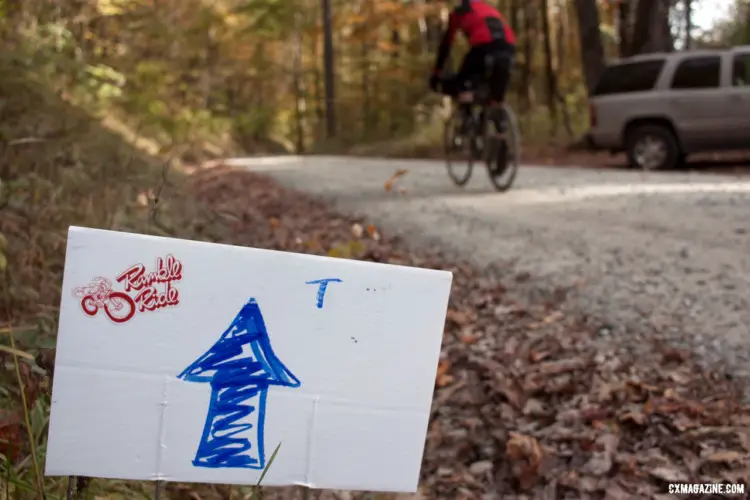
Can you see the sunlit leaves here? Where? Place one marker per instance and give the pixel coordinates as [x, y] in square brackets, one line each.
[113, 7]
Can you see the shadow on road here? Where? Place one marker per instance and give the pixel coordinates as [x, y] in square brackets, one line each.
[706, 163]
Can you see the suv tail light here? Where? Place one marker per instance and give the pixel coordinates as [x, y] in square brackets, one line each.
[592, 116]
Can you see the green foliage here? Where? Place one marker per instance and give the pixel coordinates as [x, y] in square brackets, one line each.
[735, 30]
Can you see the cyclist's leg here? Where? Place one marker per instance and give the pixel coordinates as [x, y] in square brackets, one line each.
[499, 79]
[471, 67]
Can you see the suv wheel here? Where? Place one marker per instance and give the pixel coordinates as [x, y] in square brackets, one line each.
[652, 147]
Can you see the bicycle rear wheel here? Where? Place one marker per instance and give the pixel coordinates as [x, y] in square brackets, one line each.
[459, 154]
[503, 167]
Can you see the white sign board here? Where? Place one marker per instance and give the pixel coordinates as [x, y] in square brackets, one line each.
[187, 361]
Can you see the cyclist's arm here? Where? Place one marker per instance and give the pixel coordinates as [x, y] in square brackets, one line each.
[445, 44]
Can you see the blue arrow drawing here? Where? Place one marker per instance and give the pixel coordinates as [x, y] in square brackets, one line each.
[240, 367]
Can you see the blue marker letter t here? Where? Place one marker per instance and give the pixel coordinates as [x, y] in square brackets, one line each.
[322, 285]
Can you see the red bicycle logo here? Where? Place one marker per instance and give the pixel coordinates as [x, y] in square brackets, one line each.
[118, 306]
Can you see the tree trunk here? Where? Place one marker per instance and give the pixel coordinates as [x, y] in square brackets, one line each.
[651, 30]
[395, 92]
[562, 29]
[365, 11]
[688, 24]
[592, 50]
[328, 69]
[318, 90]
[551, 79]
[528, 56]
[299, 104]
[514, 15]
[623, 27]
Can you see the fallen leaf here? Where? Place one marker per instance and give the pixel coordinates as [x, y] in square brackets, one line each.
[443, 378]
[373, 232]
[468, 338]
[669, 474]
[601, 462]
[725, 457]
[675, 355]
[481, 467]
[388, 186]
[537, 356]
[459, 318]
[634, 416]
[562, 366]
[511, 389]
[525, 449]
[555, 316]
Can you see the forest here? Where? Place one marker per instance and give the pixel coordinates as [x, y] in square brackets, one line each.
[307, 76]
[108, 109]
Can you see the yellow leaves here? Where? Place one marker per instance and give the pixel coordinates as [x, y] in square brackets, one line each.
[391, 7]
[356, 19]
[347, 250]
[386, 46]
[113, 7]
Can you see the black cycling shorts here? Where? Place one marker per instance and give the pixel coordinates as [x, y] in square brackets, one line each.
[474, 69]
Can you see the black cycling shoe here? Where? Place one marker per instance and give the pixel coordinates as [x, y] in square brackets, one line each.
[466, 124]
[499, 158]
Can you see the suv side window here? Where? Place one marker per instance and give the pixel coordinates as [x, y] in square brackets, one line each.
[702, 72]
[741, 70]
[629, 77]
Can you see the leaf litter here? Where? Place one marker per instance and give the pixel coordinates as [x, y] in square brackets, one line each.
[529, 402]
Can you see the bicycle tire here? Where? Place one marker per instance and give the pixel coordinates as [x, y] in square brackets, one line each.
[89, 305]
[513, 161]
[449, 149]
[129, 303]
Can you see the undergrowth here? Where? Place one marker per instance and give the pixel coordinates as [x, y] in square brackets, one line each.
[59, 167]
[541, 136]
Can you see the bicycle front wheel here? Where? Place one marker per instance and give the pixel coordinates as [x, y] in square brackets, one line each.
[459, 154]
[504, 157]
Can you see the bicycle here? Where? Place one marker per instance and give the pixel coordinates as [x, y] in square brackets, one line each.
[475, 132]
[118, 306]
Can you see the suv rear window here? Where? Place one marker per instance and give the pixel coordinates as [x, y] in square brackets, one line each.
[741, 70]
[697, 73]
[629, 77]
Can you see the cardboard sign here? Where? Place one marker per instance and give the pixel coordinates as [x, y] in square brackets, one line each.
[188, 361]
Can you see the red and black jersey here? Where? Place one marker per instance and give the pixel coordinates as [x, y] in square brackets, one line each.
[481, 23]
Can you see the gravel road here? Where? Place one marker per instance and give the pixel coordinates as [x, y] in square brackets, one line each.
[657, 254]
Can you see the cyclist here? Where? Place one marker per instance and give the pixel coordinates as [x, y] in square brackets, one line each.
[99, 289]
[492, 41]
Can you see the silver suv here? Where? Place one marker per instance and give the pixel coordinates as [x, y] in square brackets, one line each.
[659, 108]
